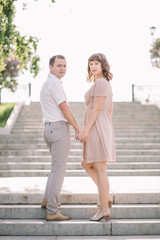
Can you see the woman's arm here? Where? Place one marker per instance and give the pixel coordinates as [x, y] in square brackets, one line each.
[97, 104]
[111, 109]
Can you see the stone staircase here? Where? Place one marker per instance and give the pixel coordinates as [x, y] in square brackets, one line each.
[134, 178]
[137, 133]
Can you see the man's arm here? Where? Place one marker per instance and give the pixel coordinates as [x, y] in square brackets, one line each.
[69, 116]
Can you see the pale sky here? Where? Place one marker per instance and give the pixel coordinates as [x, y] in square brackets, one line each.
[78, 29]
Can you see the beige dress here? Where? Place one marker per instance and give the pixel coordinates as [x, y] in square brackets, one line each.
[100, 145]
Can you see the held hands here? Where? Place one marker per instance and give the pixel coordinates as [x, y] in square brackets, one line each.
[82, 136]
[76, 134]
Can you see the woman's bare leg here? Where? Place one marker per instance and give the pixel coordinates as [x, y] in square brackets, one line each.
[89, 168]
[102, 184]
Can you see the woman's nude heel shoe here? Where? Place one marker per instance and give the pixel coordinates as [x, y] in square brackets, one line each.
[107, 218]
[101, 216]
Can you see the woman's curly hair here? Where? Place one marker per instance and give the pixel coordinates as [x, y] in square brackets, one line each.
[104, 64]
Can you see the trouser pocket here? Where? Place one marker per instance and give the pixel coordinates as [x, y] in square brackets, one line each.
[56, 131]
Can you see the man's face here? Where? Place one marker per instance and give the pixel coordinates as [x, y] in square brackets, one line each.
[59, 68]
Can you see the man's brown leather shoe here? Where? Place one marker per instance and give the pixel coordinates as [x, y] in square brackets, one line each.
[57, 217]
[44, 203]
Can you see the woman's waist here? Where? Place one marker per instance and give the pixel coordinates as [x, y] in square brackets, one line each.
[102, 114]
[90, 109]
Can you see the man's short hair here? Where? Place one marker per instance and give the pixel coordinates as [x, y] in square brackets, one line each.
[52, 59]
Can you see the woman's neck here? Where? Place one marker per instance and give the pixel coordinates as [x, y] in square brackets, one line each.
[98, 76]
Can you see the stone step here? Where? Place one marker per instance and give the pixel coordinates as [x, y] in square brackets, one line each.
[25, 139]
[77, 145]
[116, 122]
[121, 158]
[36, 146]
[135, 120]
[78, 190]
[27, 198]
[121, 141]
[117, 105]
[35, 158]
[11, 139]
[76, 227]
[117, 126]
[76, 165]
[118, 211]
[126, 131]
[136, 112]
[77, 173]
[117, 111]
[35, 134]
[138, 140]
[126, 112]
[133, 124]
[128, 135]
[128, 109]
[77, 152]
[116, 130]
[128, 237]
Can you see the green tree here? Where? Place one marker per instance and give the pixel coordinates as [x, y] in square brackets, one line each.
[16, 51]
[155, 53]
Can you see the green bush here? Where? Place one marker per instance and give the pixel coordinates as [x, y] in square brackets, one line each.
[155, 53]
[5, 111]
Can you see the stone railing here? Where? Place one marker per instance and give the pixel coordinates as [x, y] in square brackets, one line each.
[22, 94]
[146, 94]
[11, 120]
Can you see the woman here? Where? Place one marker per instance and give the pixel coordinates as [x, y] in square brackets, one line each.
[97, 135]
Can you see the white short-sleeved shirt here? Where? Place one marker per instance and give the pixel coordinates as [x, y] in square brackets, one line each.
[51, 95]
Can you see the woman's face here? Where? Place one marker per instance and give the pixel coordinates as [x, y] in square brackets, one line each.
[96, 68]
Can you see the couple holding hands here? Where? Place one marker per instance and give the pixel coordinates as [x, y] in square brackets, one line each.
[97, 136]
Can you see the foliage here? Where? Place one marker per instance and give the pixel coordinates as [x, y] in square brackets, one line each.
[5, 111]
[155, 53]
[9, 74]
[17, 52]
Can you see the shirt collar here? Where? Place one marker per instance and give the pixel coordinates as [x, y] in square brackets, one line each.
[54, 77]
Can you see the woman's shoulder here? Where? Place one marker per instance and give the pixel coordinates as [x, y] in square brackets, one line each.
[100, 80]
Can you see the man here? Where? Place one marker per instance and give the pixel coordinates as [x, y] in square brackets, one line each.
[56, 116]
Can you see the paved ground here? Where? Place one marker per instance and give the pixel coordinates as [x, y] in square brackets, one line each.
[83, 237]
[81, 185]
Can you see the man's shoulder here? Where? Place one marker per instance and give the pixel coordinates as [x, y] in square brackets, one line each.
[53, 80]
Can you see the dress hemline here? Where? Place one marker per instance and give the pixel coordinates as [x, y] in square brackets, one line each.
[106, 160]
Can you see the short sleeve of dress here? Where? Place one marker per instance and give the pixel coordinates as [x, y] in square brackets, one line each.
[100, 88]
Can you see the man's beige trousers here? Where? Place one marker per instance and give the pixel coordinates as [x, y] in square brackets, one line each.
[57, 138]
